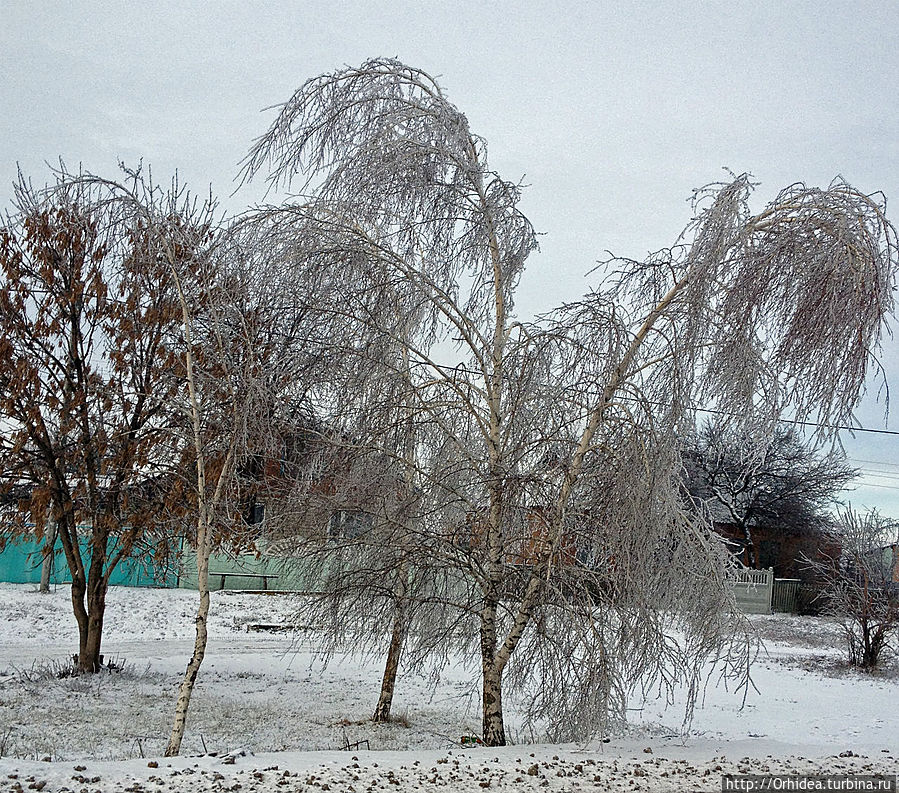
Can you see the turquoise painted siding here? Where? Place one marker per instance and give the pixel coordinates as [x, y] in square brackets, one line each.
[20, 563]
[245, 571]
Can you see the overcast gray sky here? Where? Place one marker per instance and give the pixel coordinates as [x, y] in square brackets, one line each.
[611, 112]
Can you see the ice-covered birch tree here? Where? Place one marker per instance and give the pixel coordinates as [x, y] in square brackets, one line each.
[255, 349]
[552, 542]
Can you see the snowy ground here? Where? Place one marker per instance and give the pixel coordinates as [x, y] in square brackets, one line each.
[266, 703]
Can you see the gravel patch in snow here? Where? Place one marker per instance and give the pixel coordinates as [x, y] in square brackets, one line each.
[501, 770]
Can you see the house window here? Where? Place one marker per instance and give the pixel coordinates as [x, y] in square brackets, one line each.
[254, 513]
[346, 524]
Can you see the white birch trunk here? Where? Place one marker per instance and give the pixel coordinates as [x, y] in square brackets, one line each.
[199, 653]
[398, 636]
[204, 548]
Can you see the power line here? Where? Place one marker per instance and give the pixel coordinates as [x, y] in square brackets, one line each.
[845, 427]
[874, 484]
[874, 462]
[878, 475]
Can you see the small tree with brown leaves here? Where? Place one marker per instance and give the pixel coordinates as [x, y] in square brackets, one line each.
[88, 337]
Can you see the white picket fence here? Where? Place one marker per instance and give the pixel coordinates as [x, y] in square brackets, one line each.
[753, 589]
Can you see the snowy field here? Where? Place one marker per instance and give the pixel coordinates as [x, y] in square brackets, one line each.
[267, 715]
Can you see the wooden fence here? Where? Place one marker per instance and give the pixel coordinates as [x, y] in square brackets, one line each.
[785, 596]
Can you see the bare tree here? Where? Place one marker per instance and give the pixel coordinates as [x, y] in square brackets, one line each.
[256, 349]
[88, 312]
[860, 589]
[785, 486]
[350, 522]
[552, 542]
[211, 482]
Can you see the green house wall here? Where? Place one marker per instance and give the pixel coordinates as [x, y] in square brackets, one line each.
[246, 571]
[21, 560]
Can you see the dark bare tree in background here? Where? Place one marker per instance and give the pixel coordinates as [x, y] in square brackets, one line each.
[551, 537]
[861, 587]
[785, 486]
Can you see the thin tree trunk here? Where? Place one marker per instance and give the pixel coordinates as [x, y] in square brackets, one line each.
[89, 606]
[91, 659]
[494, 731]
[400, 617]
[869, 658]
[492, 702]
[388, 683]
[95, 601]
[751, 558]
[397, 638]
[205, 507]
[66, 529]
[47, 561]
[196, 660]
[79, 589]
